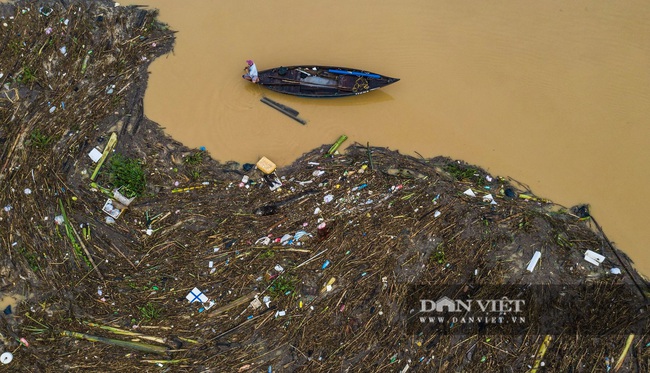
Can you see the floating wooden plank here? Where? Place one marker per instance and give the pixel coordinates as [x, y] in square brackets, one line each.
[284, 110]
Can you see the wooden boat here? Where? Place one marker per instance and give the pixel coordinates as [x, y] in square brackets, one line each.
[322, 81]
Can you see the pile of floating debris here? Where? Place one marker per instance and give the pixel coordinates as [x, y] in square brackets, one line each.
[123, 249]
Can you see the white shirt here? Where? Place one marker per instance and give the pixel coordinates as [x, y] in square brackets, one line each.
[252, 71]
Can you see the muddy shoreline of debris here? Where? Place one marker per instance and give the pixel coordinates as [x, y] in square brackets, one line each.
[153, 256]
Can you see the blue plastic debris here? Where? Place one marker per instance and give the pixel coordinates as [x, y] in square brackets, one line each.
[7, 310]
[326, 264]
[359, 187]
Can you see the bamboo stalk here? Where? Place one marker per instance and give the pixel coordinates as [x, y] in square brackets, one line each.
[112, 141]
[237, 302]
[126, 332]
[177, 361]
[540, 353]
[116, 342]
[621, 359]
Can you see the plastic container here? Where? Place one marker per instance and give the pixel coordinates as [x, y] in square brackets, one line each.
[265, 165]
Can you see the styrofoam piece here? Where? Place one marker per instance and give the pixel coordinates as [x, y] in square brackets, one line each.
[95, 155]
[469, 192]
[533, 261]
[593, 257]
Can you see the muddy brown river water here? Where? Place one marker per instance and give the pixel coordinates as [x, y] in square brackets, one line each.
[555, 94]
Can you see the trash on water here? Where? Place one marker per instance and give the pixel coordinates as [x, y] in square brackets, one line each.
[256, 303]
[533, 261]
[115, 206]
[436, 214]
[469, 192]
[111, 210]
[263, 241]
[265, 165]
[318, 173]
[317, 211]
[196, 295]
[46, 11]
[273, 181]
[328, 198]
[63, 50]
[280, 313]
[95, 155]
[593, 257]
[489, 198]
[328, 286]
[267, 301]
[326, 264]
[286, 239]
[6, 357]
[278, 268]
[300, 234]
[615, 271]
[7, 310]
[359, 187]
[28, 191]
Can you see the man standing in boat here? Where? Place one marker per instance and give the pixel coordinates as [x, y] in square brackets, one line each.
[251, 72]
